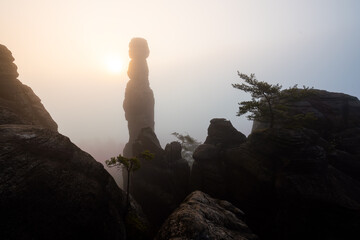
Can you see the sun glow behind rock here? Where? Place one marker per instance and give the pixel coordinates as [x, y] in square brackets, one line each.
[114, 64]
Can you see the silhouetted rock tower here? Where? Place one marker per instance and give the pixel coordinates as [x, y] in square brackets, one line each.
[18, 103]
[139, 98]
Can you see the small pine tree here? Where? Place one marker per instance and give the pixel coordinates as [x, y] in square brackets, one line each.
[269, 103]
[130, 165]
[263, 96]
[188, 144]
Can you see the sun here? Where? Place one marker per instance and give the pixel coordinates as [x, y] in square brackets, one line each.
[114, 64]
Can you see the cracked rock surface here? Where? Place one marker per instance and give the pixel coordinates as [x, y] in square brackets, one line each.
[203, 217]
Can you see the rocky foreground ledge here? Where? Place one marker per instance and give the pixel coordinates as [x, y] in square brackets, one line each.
[203, 217]
[51, 189]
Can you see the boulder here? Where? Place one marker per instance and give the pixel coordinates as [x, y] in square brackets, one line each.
[203, 217]
[49, 188]
[221, 131]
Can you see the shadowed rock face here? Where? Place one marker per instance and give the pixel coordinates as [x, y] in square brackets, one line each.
[49, 188]
[203, 217]
[160, 184]
[296, 183]
[139, 98]
[18, 103]
[222, 134]
[8, 70]
[209, 172]
[333, 112]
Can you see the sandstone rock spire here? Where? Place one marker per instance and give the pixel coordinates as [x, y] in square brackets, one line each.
[139, 98]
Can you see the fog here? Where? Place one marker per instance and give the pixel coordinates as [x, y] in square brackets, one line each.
[196, 48]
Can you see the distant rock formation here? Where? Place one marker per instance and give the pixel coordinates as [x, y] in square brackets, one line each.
[203, 217]
[49, 188]
[18, 103]
[292, 183]
[333, 111]
[161, 184]
[221, 133]
[139, 98]
[208, 171]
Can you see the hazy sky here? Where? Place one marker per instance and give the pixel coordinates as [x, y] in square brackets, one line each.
[62, 48]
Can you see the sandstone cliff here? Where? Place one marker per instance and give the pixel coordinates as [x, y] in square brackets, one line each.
[49, 188]
[18, 103]
[293, 183]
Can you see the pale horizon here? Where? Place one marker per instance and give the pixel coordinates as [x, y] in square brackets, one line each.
[62, 50]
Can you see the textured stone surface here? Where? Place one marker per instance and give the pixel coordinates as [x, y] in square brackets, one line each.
[292, 183]
[50, 189]
[203, 217]
[18, 103]
[139, 98]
